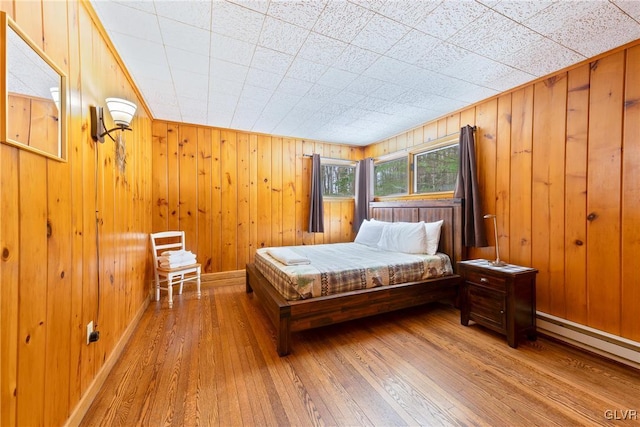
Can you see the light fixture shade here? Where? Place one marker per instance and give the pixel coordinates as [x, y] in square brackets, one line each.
[55, 94]
[121, 110]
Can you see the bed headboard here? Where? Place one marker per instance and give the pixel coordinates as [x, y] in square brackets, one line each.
[450, 210]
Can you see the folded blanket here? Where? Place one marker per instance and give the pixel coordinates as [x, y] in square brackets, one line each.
[174, 259]
[288, 257]
[177, 264]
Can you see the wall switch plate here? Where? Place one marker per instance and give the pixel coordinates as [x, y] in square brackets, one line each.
[89, 331]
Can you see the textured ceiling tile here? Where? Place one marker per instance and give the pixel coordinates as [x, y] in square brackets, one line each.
[181, 59]
[127, 20]
[231, 50]
[519, 10]
[413, 46]
[389, 91]
[364, 85]
[409, 12]
[348, 98]
[190, 85]
[225, 86]
[301, 13]
[322, 93]
[342, 20]
[632, 7]
[321, 49]
[236, 21]
[602, 29]
[194, 13]
[225, 70]
[143, 70]
[306, 70]
[442, 56]
[282, 102]
[222, 101]
[263, 79]
[270, 60]
[282, 36]
[141, 50]
[155, 92]
[337, 78]
[493, 34]
[469, 92]
[542, 57]
[257, 5]
[385, 68]
[356, 59]
[380, 34]
[185, 37]
[257, 95]
[451, 16]
[293, 86]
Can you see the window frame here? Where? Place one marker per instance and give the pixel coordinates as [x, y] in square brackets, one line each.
[327, 161]
[409, 154]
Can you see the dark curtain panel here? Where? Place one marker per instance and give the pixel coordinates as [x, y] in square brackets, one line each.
[364, 191]
[467, 189]
[316, 209]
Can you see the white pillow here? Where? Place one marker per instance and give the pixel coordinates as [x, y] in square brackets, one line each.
[408, 237]
[433, 236]
[370, 232]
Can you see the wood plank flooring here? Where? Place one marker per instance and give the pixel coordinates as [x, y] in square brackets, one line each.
[213, 362]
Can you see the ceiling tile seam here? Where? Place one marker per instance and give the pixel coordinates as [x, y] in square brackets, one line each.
[244, 83]
[309, 31]
[624, 11]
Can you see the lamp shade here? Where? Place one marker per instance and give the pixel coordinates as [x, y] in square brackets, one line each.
[121, 110]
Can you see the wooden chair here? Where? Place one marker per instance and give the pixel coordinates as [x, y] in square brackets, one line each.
[171, 241]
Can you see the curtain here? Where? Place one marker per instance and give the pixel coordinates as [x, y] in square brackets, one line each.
[467, 189]
[316, 209]
[364, 191]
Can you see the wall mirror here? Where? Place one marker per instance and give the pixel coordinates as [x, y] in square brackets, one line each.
[35, 96]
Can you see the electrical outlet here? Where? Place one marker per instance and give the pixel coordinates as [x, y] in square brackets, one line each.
[89, 331]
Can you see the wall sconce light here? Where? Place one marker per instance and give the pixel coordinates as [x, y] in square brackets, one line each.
[55, 95]
[122, 112]
[497, 262]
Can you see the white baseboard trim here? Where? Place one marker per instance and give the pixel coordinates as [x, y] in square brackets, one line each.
[605, 344]
[90, 394]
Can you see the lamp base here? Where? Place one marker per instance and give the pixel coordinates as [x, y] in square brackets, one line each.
[497, 263]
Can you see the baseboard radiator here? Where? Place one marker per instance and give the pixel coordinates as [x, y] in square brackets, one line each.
[612, 346]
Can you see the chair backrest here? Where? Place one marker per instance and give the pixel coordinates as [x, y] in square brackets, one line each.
[166, 241]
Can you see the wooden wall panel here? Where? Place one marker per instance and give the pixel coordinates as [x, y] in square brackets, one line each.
[564, 178]
[258, 193]
[49, 210]
[630, 293]
[575, 201]
[548, 173]
[603, 191]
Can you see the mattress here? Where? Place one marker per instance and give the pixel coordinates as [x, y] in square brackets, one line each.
[343, 267]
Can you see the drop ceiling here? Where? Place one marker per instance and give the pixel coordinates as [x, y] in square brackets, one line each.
[350, 72]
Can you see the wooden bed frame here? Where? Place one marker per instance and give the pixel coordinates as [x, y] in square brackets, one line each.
[291, 316]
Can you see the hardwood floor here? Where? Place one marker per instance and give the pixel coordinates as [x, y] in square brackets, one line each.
[213, 362]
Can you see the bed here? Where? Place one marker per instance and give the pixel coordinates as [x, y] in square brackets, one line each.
[301, 314]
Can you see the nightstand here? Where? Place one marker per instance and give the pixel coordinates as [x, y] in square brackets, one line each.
[500, 298]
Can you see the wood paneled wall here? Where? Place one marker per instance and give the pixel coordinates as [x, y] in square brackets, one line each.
[233, 192]
[559, 163]
[51, 264]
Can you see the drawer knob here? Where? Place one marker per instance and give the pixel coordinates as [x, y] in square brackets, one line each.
[484, 280]
[501, 311]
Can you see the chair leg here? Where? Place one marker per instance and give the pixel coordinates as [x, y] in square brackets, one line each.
[170, 289]
[198, 282]
[157, 288]
[181, 283]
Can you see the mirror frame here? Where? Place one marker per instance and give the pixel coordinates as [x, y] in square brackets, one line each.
[7, 24]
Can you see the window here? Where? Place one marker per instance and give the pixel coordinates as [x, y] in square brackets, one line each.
[338, 180]
[436, 170]
[391, 177]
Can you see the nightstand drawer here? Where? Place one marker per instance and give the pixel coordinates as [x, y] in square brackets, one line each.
[486, 280]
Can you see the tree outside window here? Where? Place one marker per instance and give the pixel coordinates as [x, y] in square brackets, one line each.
[391, 177]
